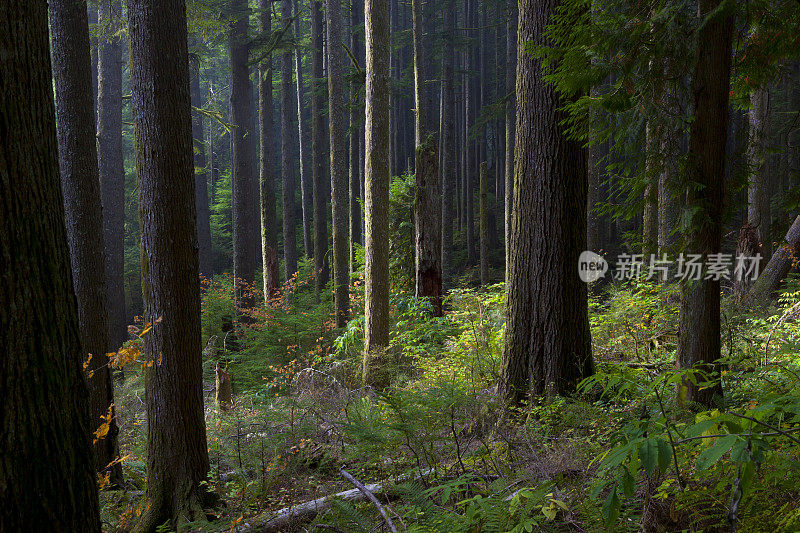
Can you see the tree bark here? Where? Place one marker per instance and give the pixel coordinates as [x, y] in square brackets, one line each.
[511, 117]
[652, 172]
[338, 161]
[200, 177]
[318, 149]
[47, 474]
[780, 264]
[176, 488]
[112, 169]
[447, 142]
[484, 225]
[306, 183]
[758, 190]
[547, 342]
[266, 173]
[699, 322]
[77, 148]
[356, 131]
[244, 188]
[287, 153]
[377, 178]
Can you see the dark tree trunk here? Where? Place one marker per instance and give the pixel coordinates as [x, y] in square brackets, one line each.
[338, 161]
[447, 142]
[652, 172]
[758, 190]
[356, 132]
[176, 488]
[200, 178]
[306, 183]
[484, 224]
[699, 325]
[69, 28]
[112, 171]
[470, 144]
[427, 198]
[377, 179]
[318, 149]
[47, 474]
[511, 117]
[287, 152]
[266, 174]
[244, 188]
[547, 343]
[780, 264]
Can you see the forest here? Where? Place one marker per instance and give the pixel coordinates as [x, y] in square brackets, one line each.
[480, 266]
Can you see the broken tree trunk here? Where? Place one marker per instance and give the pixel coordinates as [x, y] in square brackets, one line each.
[778, 267]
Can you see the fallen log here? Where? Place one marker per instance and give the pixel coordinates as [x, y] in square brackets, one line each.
[776, 270]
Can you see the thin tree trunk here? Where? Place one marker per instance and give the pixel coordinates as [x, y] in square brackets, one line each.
[306, 183]
[376, 154]
[484, 225]
[511, 117]
[266, 173]
[112, 171]
[244, 189]
[287, 153]
[652, 172]
[69, 28]
[699, 322]
[471, 144]
[47, 474]
[176, 489]
[758, 190]
[447, 141]
[318, 149]
[356, 134]
[338, 161]
[201, 178]
[547, 345]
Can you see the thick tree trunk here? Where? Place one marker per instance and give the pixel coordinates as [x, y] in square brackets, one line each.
[306, 183]
[266, 174]
[511, 117]
[356, 132]
[758, 184]
[376, 178]
[547, 342]
[471, 145]
[699, 323]
[47, 474]
[287, 152]
[244, 188]
[447, 142]
[318, 149]
[200, 177]
[338, 161]
[69, 28]
[176, 489]
[112, 170]
[427, 198]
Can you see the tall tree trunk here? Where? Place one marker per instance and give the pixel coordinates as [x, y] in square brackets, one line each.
[287, 152]
[511, 117]
[266, 173]
[447, 169]
[377, 178]
[427, 198]
[318, 149]
[176, 489]
[47, 474]
[69, 28]
[200, 177]
[652, 171]
[699, 323]
[112, 170]
[547, 345]
[471, 145]
[306, 183]
[244, 189]
[338, 161]
[758, 190]
[356, 133]
[484, 224]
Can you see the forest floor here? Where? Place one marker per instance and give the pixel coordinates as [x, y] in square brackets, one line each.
[622, 454]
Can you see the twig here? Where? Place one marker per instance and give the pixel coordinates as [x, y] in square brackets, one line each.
[372, 498]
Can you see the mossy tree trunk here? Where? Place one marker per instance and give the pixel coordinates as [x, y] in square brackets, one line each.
[318, 150]
[287, 151]
[47, 474]
[447, 170]
[177, 453]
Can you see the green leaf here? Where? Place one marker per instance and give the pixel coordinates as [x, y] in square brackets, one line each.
[748, 471]
[664, 455]
[714, 453]
[611, 508]
[648, 451]
[695, 430]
